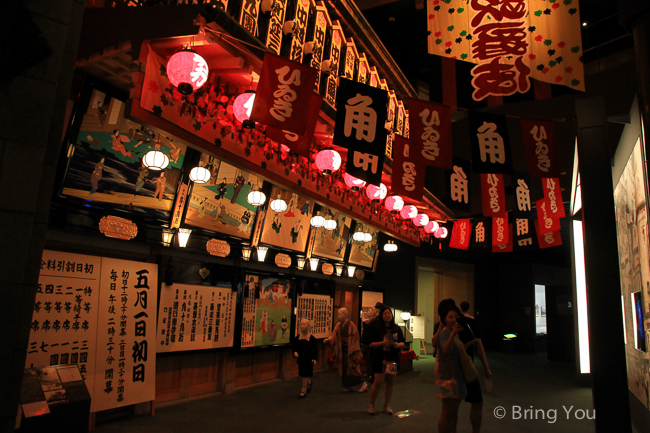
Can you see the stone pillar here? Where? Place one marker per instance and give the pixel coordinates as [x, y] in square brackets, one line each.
[32, 113]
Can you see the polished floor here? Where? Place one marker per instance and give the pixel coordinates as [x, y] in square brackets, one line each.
[530, 394]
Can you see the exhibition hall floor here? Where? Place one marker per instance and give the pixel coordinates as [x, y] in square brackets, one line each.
[530, 394]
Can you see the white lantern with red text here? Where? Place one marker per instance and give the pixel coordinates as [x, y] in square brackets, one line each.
[441, 233]
[394, 203]
[431, 227]
[187, 71]
[353, 183]
[408, 212]
[328, 161]
[421, 220]
[376, 193]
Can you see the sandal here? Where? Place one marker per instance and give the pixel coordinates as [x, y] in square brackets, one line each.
[309, 386]
[302, 395]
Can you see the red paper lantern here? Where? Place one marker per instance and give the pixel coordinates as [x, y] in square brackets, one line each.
[441, 233]
[243, 105]
[187, 71]
[421, 220]
[376, 193]
[328, 161]
[431, 227]
[408, 212]
[394, 203]
[353, 183]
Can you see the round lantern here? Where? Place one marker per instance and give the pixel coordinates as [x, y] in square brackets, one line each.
[431, 227]
[353, 183]
[421, 220]
[408, 212]
[318, 221]
[256, 198]
[155, 159]
[284, 148]
[441, 233]
[394, 203]
[359, 236]
[278, 205]
[187, 71]
[330, 224]
[390, 247]
[375, 193]
[200, 174]
[367, 237]
[328, 161]
[242, 107]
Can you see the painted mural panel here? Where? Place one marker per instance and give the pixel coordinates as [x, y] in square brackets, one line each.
[363, 253]
[105, 161]
[267, 311]
[288, 229]
[632, 227]
[332, 244]
[220, 204]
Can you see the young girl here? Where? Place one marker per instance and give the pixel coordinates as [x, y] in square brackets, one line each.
[305, 351]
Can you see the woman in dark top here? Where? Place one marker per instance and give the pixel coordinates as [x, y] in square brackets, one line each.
[386, 342]
[305, 350]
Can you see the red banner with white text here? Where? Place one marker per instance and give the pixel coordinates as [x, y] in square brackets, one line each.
[493, 195]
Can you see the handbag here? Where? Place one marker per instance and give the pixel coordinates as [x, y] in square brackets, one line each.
[469, 370]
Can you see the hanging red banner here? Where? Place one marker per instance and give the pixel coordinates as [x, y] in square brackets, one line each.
[547, 222]
[283, 92]
[500, 233]
[549, 239]
[504, 248]
[430, 133]
[553, 193]
[408, 174]
[299, 144]
[539, 142]
[461, 234]
[493, 194]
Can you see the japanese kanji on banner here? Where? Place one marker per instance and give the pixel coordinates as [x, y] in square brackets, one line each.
[359, 127]
[500, 233]
[524, 235]
[521, 182]
[547, 222]
[461, 234]
[430, 133]
[507, 247]
[481, 232]
[408, 172]
[510, 41]
[284, 89]
[553, 193]
[299, 144]
[458, 185]
[539, 142]
[493, 195]
[549, 239]
[490, 143]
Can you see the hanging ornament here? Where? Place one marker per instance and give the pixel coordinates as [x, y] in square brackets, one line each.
[353, 183]
[242, 108]
[421, 220]
[187, 71]
[441, 233]
[328, 161]
[431, 226]
[408, 212]
[394, 203]
[376, 193]
[200, 174]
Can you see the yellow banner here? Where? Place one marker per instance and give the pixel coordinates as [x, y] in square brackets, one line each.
[511, 41]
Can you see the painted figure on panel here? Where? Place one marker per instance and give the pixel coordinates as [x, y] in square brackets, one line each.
[160, 186]
[96, 176]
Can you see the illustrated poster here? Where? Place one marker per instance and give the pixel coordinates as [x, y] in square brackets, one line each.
[288, 229]
[267, 312]
[332, 244]
[363, 253]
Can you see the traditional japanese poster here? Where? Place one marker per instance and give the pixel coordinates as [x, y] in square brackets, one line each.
[408, 171]
[359, 127]
[318, 310]
[267, 311]
[332, 244]
[521, 183]
[461, 234]
[481, 233]
[221, 204]
[288, 229]
[195, 317]
[105, 162]
[64, 318]
[524, 235]
[490, 143]
[126, 355]
[363, 253]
